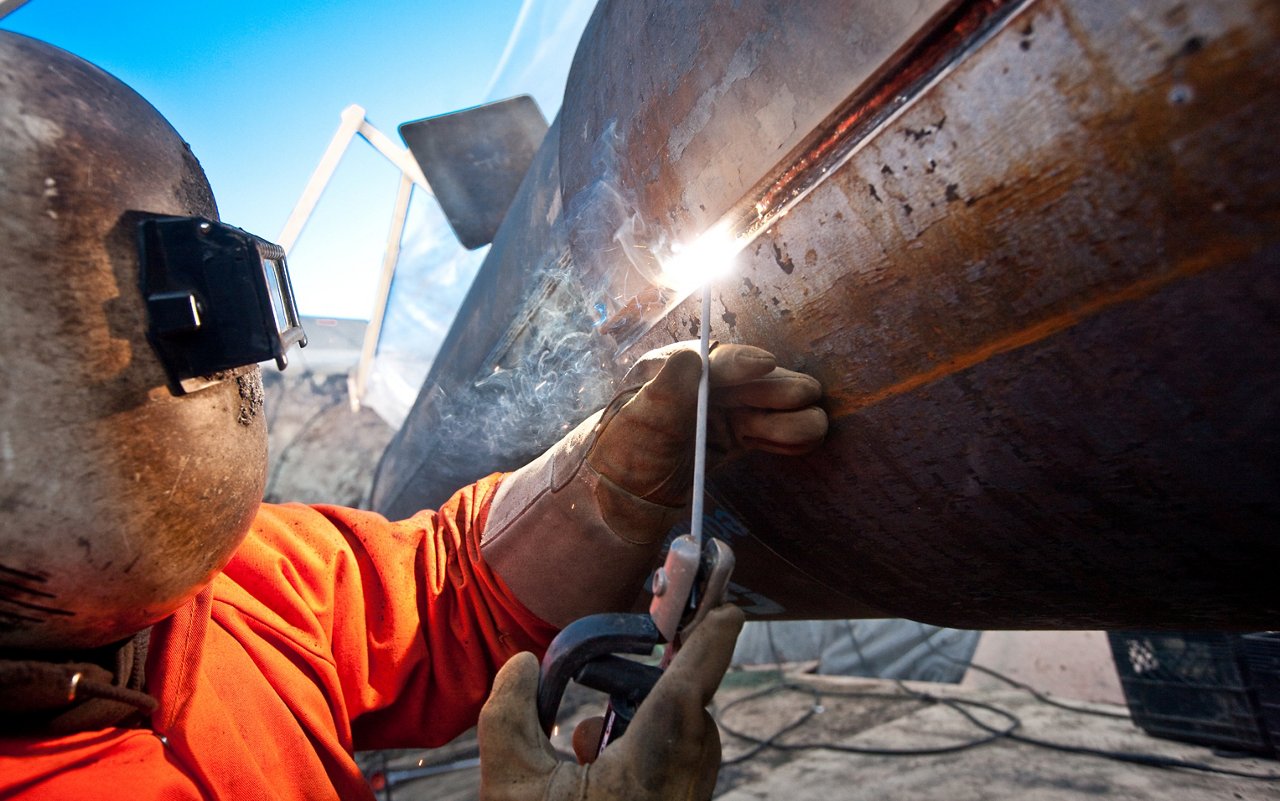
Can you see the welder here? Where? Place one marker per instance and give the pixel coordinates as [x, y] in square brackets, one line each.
[164, 633]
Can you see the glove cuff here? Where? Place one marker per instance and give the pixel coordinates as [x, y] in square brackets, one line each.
[568, 541]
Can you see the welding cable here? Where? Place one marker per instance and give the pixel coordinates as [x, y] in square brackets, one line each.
[1045, 699]
[776, 686]
[927, 641]
[1135, 757]
[993, 734]
[758, 744]
[1010, 733]
[816, 707]
[1131, 757]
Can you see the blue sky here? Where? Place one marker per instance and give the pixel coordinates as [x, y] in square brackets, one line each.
[256, 88]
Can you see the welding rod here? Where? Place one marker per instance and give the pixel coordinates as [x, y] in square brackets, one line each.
[700, 438]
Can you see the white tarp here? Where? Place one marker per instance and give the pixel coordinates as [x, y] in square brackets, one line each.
[434, 271]
[891, 649]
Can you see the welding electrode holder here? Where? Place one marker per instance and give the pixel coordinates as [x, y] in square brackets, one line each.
[585, 651]
[692, 580]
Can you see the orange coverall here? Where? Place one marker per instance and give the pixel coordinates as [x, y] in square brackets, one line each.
[330, 630]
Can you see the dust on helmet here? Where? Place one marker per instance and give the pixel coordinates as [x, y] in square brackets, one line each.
[127, 477]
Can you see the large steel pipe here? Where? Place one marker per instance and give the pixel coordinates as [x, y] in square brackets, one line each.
[1030, 249]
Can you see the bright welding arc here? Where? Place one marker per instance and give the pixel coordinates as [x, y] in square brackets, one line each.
[689, 267]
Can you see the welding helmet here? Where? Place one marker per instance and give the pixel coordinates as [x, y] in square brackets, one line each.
[132, 439]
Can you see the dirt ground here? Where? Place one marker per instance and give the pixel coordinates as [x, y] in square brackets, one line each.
[818, 759]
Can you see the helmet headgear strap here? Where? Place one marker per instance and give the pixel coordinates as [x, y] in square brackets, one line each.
[83, 691]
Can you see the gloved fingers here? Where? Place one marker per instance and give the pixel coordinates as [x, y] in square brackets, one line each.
[730, 364]
[789, 433]
[709, 763]
[696, 670]
[703, 659]
[737, 364]
[676, 383]
[659, 416]
[637, 447]
[672, 734]
[778, 389]
[651, 362]
[510, 736]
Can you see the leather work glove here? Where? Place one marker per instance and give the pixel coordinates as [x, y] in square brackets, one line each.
[670, 752]
[577, 530]
[648, 449]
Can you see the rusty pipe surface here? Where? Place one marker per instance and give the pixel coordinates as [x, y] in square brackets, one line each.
[1039, 285]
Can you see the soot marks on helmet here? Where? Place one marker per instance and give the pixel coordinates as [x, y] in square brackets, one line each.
[23, 599]
[251, 396]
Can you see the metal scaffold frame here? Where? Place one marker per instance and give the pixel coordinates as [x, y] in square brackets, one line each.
[354, 123]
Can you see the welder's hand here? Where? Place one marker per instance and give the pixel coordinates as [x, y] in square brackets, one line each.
[647, 448]
[578, 530]
[671, 750]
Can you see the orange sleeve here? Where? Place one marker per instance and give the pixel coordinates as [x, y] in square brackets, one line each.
[402, 623]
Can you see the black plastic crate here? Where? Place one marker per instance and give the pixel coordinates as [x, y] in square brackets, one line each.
[1262, 656]
[1191, 686]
